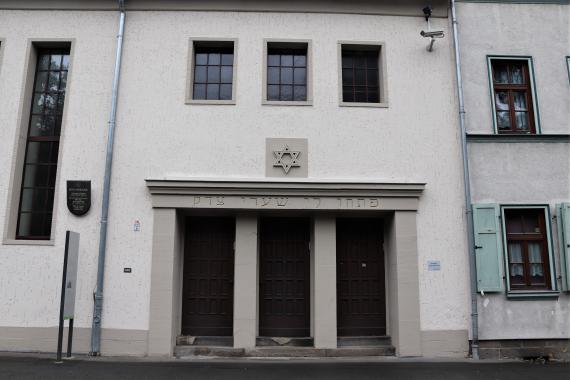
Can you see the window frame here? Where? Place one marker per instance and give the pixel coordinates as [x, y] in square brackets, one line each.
[287, 44]
[53, 139]
[210, 42]
[533, 94]
[552, 288]
[568, 67]
[20, 143]
[382, 71]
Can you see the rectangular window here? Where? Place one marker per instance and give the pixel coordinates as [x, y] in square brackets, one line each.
[528, 249]
[287, 73]
[212, 72]
[362, 74]
[513, 96]
[42, 145]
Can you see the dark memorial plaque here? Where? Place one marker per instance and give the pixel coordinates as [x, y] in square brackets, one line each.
[78, 197]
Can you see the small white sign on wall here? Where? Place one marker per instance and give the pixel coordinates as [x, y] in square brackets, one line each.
[433, 265]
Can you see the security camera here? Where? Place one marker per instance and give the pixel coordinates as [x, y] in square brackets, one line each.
[434, 34]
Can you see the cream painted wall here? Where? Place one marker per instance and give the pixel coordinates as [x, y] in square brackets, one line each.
[519, 173]
[158, 135]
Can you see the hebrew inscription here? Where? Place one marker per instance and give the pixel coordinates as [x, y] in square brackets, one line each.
[291, 203]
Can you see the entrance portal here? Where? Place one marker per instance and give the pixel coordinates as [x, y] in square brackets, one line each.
[207, 305]
[361, 290]
[284, 277]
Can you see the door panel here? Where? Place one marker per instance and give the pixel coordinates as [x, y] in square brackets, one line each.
[284, 277]
[361, 291]
[207, 305]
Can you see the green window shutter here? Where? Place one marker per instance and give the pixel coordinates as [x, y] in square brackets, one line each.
[488, 247]
[563, 220]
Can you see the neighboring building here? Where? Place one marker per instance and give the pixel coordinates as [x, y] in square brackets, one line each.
[517, 100]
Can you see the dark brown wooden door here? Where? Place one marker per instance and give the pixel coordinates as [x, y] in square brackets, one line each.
[361, 293]
[207, 305]
[284, 277]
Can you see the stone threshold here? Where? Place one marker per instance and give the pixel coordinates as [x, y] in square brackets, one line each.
[276, 352]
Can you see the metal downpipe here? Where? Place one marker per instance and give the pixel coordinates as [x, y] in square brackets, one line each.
[467, 187]
[98, 295]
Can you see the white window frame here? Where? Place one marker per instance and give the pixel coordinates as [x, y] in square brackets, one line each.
[382, 72]
[293, 43]
[207, 41]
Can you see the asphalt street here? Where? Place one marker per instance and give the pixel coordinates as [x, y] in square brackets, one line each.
[90, 368]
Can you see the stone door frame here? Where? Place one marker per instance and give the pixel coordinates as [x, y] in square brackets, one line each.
[397, 202]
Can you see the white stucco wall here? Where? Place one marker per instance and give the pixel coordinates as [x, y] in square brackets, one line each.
[541, 31]
[414, 140]
[517, 172]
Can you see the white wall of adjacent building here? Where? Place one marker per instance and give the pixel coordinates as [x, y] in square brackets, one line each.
[158, 136]
[519, 173]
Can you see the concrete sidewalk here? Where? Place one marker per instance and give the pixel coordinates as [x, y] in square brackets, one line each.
[43, 367]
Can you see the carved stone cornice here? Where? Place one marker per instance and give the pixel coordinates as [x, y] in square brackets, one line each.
[283, 195]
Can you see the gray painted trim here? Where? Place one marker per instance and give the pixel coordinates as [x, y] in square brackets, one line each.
[309, 72]
[190, 71]
[512, 138]
[44, 339]
[382, 72]
[411, 8]
[20, 139]
[527, 296]
[282, 195]
[264, 187]
[528, 59]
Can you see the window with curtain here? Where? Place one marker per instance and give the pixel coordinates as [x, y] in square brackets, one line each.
[527, 249]
[42, 145]
[512, 93]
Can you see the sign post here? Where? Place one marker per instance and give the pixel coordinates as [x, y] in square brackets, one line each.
[68, 286]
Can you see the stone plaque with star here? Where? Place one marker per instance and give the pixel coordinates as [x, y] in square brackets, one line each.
[286, 157]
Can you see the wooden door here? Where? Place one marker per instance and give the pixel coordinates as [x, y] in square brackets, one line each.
[207, 305]
[284, 277]
[361, 293]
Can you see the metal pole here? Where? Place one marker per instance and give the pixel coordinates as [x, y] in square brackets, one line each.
[62, 302]
[70, 337]
[98, 296]
[467, 191]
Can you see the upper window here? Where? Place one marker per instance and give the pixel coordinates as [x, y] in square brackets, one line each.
[287, 73]
[513, 95]
[526, 241]
[212, 72]
[361, 74]
[42, 146]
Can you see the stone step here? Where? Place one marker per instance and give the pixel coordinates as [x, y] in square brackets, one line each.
[191, 351]
[288, 352]
[209, 341]
[359, 341]
[262, 341]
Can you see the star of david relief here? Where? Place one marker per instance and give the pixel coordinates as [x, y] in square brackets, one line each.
[286, 159]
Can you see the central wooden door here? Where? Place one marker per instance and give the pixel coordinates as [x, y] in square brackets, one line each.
[361, 290]
[207, 304]
[284, 277]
